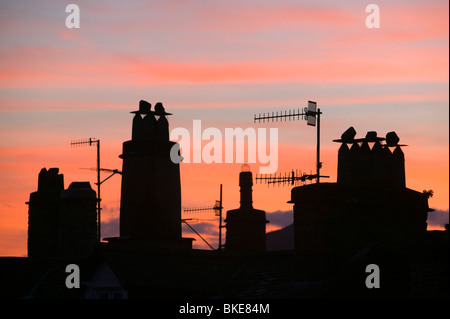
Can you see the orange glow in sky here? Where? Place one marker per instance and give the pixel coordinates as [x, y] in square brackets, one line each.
[219, 62]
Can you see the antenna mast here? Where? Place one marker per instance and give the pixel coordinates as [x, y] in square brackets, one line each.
[90, 142]
[312, 116]
[218, 207]
[292, 178]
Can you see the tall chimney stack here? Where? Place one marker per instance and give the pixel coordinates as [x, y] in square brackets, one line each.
[246, 226]
[246, 183]
[150, 207]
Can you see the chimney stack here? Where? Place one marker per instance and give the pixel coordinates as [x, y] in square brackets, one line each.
[43, 214]
[246, 226]
[368, 162]
[150, 207]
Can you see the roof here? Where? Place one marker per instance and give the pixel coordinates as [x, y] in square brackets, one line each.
[206, 274]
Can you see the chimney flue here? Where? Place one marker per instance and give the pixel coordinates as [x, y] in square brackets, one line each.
[246, 183]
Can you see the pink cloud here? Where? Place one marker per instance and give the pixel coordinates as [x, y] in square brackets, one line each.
[346, 52]
[119, 71]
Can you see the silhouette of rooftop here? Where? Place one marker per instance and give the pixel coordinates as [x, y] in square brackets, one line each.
[368, 216]
[208, 274]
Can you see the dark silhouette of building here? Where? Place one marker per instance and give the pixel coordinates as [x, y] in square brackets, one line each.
[62, 223]
[369, 203]
[246, 226]
[364, 165]
[150, 207]
[43, 214]
[368, 216]
[78, 221]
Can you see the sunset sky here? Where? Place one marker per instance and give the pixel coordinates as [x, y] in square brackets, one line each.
[219, 62]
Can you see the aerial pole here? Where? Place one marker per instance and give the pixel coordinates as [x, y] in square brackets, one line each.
[90, 142]
[220, 219]
[318, 164]
[98, 193]
[312, 116]
[217, 208]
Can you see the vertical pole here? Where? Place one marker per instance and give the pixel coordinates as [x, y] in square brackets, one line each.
[220, 220]
[92, 141]
[318, 146]
[98, 191]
